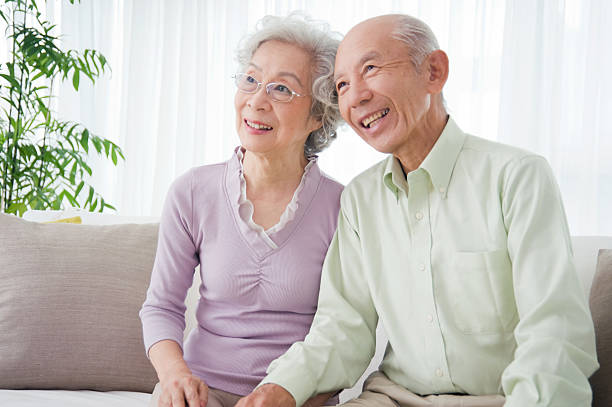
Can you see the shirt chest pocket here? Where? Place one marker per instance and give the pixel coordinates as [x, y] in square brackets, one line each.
[481, 292]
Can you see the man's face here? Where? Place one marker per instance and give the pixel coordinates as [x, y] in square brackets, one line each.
[380, 93]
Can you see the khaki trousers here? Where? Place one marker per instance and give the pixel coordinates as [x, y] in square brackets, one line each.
[379, 391]
[216, 398]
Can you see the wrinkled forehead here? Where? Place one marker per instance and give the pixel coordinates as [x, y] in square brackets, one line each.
[278, 58]
[366, 41]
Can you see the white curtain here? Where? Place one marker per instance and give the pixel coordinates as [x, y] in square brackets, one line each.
[555, 99]
[536, 74]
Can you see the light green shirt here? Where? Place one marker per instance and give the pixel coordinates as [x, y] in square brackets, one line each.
[468, 263]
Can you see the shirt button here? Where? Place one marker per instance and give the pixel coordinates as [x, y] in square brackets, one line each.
[422, 267]
[439, 372]
[418, 215]
[442, 189]
[430, 318]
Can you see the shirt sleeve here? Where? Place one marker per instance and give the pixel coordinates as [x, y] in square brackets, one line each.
[163, 312]
[555, 338]
[342, 338]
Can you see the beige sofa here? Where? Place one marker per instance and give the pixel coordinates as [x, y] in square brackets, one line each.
[70, 294]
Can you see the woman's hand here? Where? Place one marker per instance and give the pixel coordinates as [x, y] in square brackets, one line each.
[179, 387]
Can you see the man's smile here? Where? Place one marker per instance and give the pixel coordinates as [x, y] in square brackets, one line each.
[374, 118]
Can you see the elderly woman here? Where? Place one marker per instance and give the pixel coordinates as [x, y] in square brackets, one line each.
[258, 225]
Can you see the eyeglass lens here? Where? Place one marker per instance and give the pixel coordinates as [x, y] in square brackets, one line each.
[277, 91]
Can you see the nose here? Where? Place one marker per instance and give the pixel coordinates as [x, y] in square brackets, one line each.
[259, 99]
[358, 93]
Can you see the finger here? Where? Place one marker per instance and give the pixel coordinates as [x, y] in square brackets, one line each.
[164, 399]
[192, 393]
[178, 398]
[203, 391]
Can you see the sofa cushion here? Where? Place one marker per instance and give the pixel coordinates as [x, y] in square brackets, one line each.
[69, 301]
[601, 309]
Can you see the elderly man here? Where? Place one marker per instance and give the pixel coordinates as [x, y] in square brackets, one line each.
[459, 244]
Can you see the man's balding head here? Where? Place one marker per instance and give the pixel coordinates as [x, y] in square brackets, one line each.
[389, 77]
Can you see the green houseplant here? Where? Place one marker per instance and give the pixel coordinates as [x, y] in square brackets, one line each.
[43, 160]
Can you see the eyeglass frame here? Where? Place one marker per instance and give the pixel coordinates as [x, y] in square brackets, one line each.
[268, 88]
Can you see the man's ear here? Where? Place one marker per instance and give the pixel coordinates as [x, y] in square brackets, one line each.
[437, 66]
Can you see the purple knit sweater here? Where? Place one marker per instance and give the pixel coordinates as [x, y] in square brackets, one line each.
[255, 301]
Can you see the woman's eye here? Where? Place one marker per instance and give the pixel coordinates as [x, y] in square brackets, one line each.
[250, 79]
[282, 88]
[370, 67]
[340, 85]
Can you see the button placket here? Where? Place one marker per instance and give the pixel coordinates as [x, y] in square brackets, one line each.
[420, 225]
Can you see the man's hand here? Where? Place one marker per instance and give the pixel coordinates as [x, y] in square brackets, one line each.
[318, 400]
[268, 395]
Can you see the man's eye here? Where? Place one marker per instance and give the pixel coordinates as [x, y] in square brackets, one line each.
[370, 67]
[250, 79]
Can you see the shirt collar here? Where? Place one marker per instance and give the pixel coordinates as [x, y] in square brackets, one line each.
[439, 163]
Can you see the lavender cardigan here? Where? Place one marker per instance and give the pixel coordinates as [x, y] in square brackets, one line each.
[255, 300]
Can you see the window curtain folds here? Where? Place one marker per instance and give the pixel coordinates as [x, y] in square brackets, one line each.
[532, 74]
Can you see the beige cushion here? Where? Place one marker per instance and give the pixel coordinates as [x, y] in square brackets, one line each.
[69, 301]
[601, 308]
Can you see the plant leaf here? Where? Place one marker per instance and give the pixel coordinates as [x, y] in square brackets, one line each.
[97, 144]
[70, 198]
[79, 188]
[85, 140]
[73, 173]
[18, 208]
[75, 79]
[89, 196]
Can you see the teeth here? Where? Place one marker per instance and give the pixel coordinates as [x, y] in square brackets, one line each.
[258, 126]
[370, 119]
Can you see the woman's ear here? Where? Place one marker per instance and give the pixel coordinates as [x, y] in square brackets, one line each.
[314, 123]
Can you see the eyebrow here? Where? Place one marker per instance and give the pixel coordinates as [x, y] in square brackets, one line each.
[282, 73]
[367, 56]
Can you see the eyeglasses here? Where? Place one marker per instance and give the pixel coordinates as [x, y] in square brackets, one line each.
[277, 91]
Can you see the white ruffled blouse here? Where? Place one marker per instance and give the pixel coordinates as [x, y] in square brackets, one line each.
[246, 208]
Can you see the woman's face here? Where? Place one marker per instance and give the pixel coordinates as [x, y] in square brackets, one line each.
[269, 127]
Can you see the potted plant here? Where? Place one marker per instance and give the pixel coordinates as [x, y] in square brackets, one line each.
[43, 160]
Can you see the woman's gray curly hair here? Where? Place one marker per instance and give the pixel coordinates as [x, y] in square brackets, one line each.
[316, 38]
